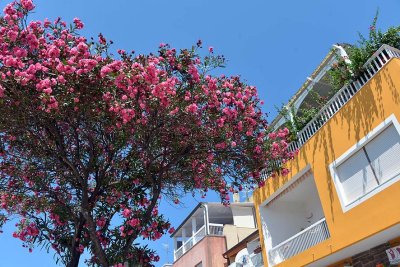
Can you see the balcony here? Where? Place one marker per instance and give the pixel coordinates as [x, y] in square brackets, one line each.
[229, 225]
[214, 229]
[353, 156]
[298, 243]
[292, 219]
[379, 59]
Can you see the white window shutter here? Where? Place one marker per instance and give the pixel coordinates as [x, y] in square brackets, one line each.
[384, 153]
[356, 177]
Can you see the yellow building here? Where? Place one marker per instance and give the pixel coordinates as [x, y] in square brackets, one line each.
[340, 203]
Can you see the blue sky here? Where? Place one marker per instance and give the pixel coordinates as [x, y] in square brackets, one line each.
[274, 45]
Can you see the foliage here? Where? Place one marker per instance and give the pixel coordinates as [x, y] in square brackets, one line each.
[359, 53]
[341, 73]
[296, 120]
[90, 143]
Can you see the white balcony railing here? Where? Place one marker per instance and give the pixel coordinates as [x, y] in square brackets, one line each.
[257, 260]
[371, 67]
[303, 240]
[214, 229]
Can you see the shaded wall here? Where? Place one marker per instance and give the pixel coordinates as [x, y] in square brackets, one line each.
[208, 251]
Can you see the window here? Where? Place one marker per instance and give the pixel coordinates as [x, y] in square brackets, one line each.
[200, 264]
[370, 166]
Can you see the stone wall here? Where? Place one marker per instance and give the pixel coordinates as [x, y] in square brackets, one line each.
[372, 257]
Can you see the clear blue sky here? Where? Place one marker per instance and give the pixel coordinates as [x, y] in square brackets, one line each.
[274, 45]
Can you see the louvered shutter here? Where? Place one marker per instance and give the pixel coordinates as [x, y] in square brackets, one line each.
[356, 177]
[384, 153]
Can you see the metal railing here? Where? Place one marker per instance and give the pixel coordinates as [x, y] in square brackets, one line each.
[257, 260]
[178, 253]
[214, 229]
[376, 62]
[303, 240]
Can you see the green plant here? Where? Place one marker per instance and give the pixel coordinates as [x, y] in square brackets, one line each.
[296, 120]
[342, 73]
[339, 74]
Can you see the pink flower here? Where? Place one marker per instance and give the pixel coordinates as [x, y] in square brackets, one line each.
[171, 230]
[127, 213]
[285, 171]
[121, 230]
[193, 71]
[240, 126]
[46, 23]
[12, 35]
[174, 111]
[81, 248]
[192, 108]
[47, 90]
[101, 222]
[104, 71]
[134, 222]
[211, 49]
[9, 9]
[32, 41]
[78, 23]
[82, 47]
[272, 135]
[27, 4]
[53, 52]
[257, 150]
[2, 90]
[102, 40]
[220, 145]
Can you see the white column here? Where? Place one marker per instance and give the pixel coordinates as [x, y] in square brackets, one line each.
[175, 247]
[183, 239]
[194, 226]
[206, 219]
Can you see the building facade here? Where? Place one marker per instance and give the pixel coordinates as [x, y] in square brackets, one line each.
[209, 231]
[340, 204]
[246, 253]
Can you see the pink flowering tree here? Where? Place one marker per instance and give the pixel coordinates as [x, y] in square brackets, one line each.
[90, 142]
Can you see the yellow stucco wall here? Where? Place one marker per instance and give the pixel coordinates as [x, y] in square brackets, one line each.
[376, 101]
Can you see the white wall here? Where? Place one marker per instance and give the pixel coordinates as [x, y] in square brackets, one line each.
[291, 213]
[243, 216]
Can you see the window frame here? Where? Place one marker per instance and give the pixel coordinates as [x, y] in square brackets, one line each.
[389, 121]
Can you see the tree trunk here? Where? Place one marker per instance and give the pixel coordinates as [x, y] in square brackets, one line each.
[146, 218]
[74, 262]
[74, 247]
[98, 250]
